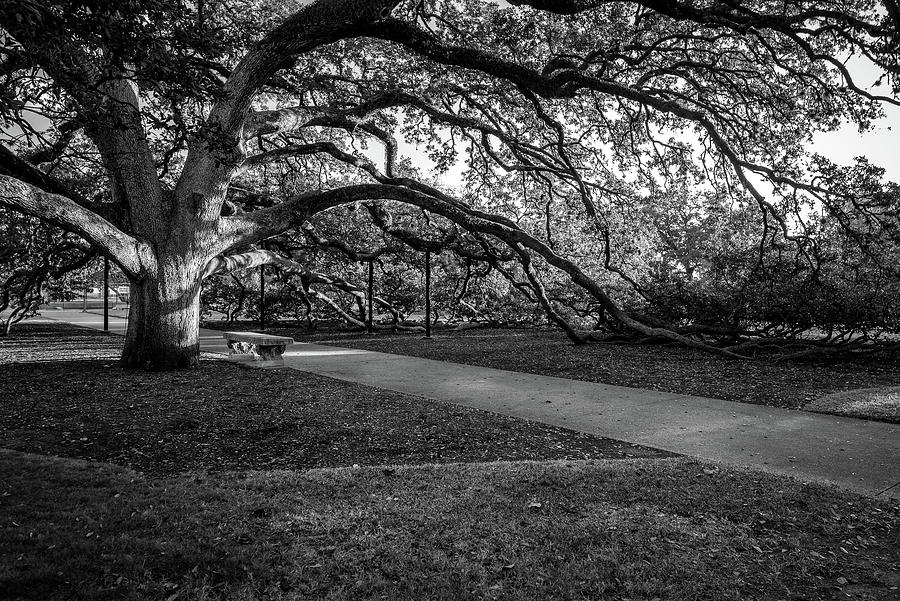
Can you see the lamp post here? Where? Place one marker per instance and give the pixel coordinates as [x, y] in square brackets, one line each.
[262, 297]
[370, 295]
[105, 294]
[427, 293]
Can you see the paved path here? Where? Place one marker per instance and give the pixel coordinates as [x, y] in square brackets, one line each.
[856, 454]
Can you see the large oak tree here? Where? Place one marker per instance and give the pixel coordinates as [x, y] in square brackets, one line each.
[206, 127]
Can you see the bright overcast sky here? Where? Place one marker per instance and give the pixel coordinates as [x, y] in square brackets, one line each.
[881, 145]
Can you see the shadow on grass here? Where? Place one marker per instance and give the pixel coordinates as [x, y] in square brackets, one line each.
[224, 417]
[642, 529]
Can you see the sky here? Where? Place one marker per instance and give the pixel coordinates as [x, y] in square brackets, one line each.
[881, 147]
[881, 144]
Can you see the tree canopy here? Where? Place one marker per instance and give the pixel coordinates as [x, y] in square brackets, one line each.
[177, 137]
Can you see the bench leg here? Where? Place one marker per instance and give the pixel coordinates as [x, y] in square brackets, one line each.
[240, 352]
[270, 356]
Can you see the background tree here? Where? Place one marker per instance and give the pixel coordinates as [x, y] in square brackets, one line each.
[32, 256]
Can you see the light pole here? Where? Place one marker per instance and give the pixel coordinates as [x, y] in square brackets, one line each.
[370, 296]
[262, 297]
[427, 293]
[105, 294]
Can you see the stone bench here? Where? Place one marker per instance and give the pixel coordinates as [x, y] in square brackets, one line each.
[263, 350]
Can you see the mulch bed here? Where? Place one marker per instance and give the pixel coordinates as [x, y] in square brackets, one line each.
[64, 394]
[788, 383]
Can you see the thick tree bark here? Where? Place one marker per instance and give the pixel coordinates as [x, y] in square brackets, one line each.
[164, 320]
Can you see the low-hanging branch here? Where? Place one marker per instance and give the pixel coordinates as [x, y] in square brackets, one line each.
[426, 197]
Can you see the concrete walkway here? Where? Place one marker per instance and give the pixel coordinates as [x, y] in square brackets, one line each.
[856, 454]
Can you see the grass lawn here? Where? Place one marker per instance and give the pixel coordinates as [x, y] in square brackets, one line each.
[636, 529]
[225, 417]
[788, 384]
[872, 403]
[232, 483]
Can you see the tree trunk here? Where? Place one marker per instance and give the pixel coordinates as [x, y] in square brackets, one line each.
[164, 321]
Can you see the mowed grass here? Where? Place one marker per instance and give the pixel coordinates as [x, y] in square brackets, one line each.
[875, 403]
[232, 483]
[222, 417]
[639, 529]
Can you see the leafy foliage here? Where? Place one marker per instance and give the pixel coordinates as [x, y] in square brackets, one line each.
[32, 256]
